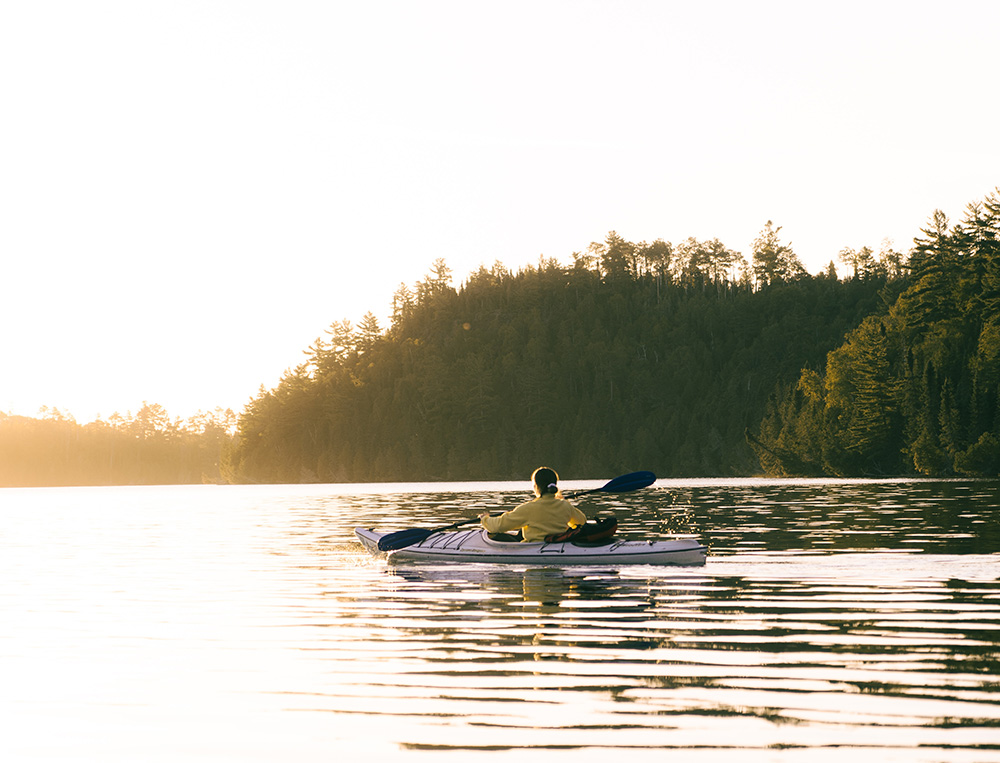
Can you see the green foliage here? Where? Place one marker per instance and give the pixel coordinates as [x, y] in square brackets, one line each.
[774, 261]
[649, 356]
[642, 355]
[915, 387]
[637, 355]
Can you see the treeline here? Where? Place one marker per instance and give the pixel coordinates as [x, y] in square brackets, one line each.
[653, 356]
[148, 448]
[687, 359]
[915, 386]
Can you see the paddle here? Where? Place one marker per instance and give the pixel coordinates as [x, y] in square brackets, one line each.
[403, 538]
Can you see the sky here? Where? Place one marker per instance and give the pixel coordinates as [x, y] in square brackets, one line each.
[192, 192]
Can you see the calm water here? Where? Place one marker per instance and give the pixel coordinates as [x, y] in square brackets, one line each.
[244, 623]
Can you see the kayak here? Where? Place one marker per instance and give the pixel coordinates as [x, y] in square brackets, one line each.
[476, 546]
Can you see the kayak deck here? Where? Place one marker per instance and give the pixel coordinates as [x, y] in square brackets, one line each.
[475, 546]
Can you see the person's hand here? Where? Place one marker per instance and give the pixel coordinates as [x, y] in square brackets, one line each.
[483, 515]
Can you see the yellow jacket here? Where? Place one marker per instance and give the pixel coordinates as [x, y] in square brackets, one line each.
[535, 519]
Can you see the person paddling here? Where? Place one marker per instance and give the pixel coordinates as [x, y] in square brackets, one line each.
[548, 514]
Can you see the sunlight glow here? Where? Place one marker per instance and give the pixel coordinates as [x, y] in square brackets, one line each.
[193, 192]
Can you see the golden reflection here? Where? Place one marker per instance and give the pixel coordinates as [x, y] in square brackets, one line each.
[184, 613]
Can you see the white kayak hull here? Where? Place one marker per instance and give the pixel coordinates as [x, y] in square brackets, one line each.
[475, 546]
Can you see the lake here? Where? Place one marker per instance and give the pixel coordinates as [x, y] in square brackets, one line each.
[833, 619]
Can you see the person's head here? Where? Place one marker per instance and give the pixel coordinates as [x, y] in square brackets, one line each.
[545, 481]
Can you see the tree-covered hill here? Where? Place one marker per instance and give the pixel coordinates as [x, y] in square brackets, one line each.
[637, 356]
[685, 359]
[915, 386]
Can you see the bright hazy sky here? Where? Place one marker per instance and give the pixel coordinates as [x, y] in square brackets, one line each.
[191, 192]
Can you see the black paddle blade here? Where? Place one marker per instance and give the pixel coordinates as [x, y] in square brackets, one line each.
[627, 482]
[403, 538]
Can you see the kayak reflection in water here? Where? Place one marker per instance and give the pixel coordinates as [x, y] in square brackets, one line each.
[548, 514]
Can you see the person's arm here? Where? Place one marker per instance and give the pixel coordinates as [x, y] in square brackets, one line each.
[509, 520]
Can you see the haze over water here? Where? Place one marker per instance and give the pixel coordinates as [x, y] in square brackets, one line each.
[852, 618]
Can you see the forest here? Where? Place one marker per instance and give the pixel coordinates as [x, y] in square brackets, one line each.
[148, 448]
[686, 359]
[914, 387]
[652, 356]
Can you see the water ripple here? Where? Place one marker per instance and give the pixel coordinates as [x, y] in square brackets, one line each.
[858, 618]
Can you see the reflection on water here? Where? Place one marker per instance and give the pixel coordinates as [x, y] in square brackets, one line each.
[832, 619]
[678, 659]
[820, 516]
